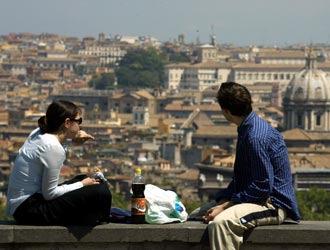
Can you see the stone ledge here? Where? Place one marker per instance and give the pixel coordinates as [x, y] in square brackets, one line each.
[189, 235]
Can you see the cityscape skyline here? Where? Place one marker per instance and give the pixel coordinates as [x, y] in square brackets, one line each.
[153, 104]
[241, 23]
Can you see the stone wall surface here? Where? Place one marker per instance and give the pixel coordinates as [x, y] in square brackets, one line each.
[189, 235]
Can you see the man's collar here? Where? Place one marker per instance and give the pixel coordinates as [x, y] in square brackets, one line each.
[246, 121]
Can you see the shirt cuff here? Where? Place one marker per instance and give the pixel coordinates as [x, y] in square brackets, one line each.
[75, 186]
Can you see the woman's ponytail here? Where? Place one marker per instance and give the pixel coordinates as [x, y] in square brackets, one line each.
[42, 124]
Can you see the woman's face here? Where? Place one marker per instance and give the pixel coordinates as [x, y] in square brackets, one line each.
[72, 126]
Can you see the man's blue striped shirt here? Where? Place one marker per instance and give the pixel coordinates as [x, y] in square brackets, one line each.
[262, 168]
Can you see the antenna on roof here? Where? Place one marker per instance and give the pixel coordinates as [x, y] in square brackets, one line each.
[212, 36]
[197, 38]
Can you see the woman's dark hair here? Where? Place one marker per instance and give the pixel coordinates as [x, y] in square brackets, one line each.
[56, 114]
[235, 97]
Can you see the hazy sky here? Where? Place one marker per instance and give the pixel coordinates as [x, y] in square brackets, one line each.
[241, 22]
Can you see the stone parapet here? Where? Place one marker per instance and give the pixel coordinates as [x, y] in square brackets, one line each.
[189, 235]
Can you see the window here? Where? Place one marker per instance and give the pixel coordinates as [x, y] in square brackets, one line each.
[275, 76]
[288, 76]
[269, 76]
[299, 120]
[318, 119]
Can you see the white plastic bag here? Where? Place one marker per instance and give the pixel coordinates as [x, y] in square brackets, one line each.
[163, 206]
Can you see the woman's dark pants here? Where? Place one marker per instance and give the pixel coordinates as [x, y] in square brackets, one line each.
[89, 205]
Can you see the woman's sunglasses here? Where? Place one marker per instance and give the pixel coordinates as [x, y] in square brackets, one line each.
[79, 121]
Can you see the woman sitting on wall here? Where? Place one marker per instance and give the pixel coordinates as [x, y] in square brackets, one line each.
[34, 195]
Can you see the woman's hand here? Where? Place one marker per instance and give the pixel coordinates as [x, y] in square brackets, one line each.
[90, 181]
[82, 136]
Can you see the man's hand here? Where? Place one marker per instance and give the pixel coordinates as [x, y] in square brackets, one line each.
[90, 181]
[82, 136]
[214, 211]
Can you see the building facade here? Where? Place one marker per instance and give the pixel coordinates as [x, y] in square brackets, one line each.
[204, 73]
[106, 54]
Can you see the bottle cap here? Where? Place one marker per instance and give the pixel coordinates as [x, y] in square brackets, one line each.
[138, 170]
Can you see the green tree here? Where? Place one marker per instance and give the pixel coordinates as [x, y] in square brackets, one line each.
[141, 68]
[178, 57]
[3, 215]
[191, 205]
[118, 200]
[174, 56]
[314, 204]
[80, 70]
[103, 81]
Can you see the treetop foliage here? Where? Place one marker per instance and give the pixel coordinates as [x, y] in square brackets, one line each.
[141, 69]
[104, 81]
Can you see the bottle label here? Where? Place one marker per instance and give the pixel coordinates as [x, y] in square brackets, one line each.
[138, 206]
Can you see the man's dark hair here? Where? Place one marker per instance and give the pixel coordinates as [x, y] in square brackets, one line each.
[235, 97]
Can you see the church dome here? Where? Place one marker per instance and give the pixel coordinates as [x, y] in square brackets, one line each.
[309, 85]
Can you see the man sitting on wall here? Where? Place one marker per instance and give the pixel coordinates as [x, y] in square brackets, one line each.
[261, 191]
